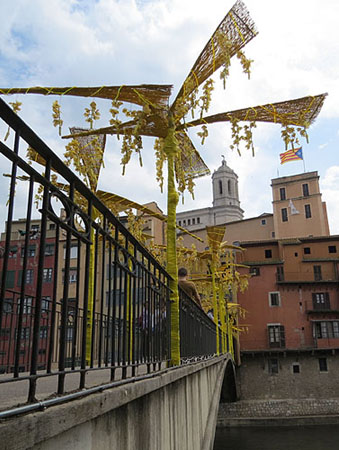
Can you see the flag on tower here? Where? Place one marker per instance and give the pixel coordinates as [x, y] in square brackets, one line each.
[294, 154]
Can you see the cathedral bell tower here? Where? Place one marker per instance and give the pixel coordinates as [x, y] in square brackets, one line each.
[225, 194]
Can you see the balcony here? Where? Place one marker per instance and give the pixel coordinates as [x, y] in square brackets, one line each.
[307, 277]
[325, 306]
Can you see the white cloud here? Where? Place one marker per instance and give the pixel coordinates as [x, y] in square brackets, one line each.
[322, 146]
[330, 191]
[113, 42]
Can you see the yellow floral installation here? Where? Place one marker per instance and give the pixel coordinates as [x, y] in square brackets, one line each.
[169, 126]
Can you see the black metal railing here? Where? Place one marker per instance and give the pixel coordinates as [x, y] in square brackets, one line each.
[197, 330]
[78, 292]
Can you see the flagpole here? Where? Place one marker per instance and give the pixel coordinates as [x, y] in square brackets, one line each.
[304, 164]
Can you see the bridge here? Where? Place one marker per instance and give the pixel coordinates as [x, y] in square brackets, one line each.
[85, 329]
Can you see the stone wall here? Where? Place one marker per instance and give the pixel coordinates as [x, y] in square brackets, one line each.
[288, 376]
[280, 408]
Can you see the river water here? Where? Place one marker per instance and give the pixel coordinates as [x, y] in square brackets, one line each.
[318, 437]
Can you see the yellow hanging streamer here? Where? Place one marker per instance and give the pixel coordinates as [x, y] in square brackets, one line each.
[171, 149]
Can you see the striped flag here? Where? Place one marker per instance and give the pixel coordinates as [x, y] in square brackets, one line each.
[291, 155]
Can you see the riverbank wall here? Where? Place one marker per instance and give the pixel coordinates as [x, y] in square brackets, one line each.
[303, 389]
[285, 412]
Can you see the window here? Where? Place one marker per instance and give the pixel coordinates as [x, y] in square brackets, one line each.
[10, 276]
[13, 250]
[5, 334]
[49, 249]
[220, 187]
[73, 251]
[274, 298]
[263, 221]
[73, 274]
[188, 221]
[332, 249]
[276, 336]
[69, 333]
[296, 368]
[229, 187]
[28, 278]
[27, 305]
[317, 273]
[47, 275]
[308, 211]
[193, 221]
[71, 306]
[268, 253]
[198, 219]
[322, 364]
[43, 332]
[45, 303]
[305, 190]
[255, 271]
[273, 366]
[30, 252]
[25, 333]
[280, 273]
[52, 226]
[8, 305]
[326, 329]
[282, 194]
[35, 228]
[307, 251]
[179, 223]
[273, 234]
[321, 300]
[284, 216]
[296, 254]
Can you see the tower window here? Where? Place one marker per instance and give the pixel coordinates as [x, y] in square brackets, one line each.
[284, 215]
[229, 186]
[220, 187]
[332, 249]
[305, 190]
[282, 194]
[308, 211]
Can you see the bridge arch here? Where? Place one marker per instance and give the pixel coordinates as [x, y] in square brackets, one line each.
[229, 388]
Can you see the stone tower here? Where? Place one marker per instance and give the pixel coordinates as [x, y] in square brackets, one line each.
[225, 194]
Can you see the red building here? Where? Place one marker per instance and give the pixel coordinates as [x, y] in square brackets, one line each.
[11, 309]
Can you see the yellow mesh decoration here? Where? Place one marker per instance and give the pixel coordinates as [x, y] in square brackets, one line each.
[299, 112]
[155, 95]
[239, 29]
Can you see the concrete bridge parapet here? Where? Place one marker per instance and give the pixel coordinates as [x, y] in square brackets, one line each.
[171, 410]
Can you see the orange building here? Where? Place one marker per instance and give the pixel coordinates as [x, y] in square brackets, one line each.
[292, 301]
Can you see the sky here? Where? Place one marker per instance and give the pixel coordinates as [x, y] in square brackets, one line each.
[115, 42]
